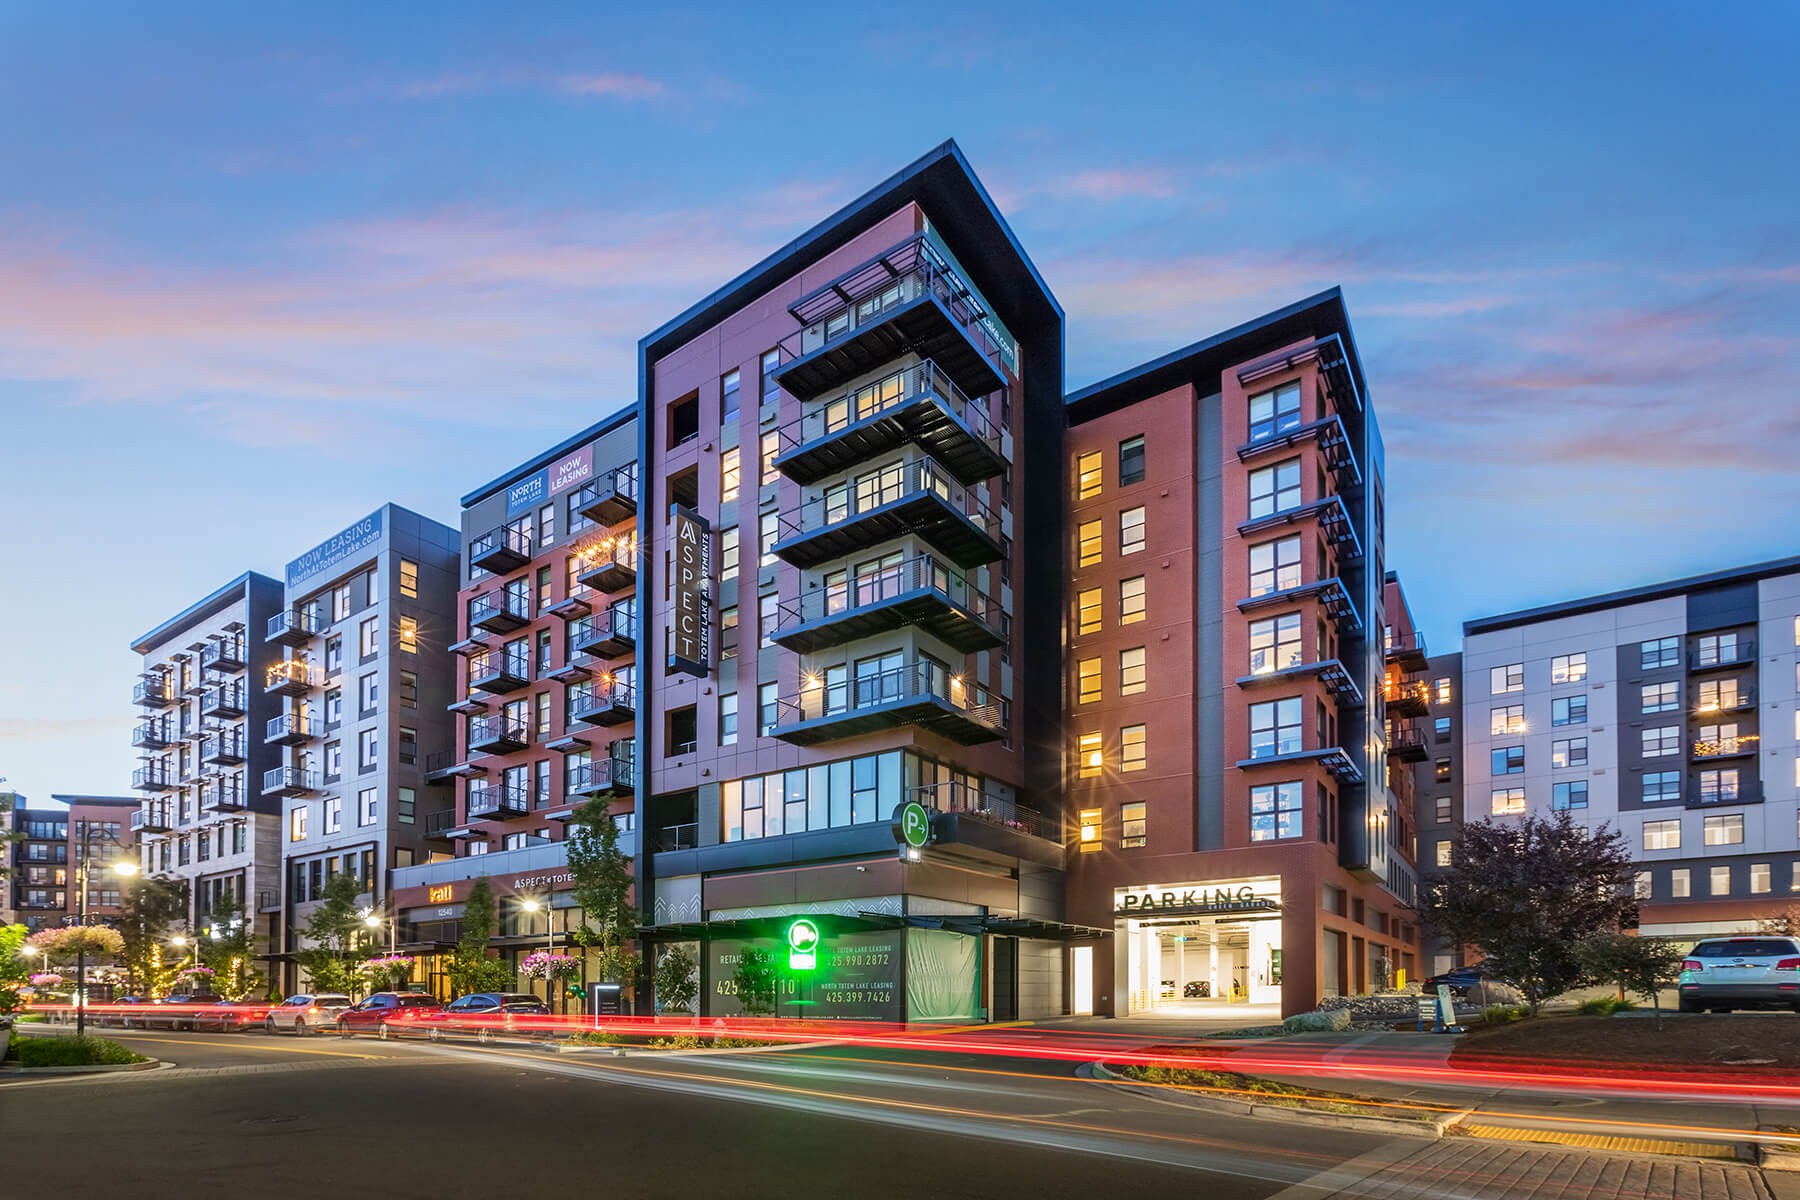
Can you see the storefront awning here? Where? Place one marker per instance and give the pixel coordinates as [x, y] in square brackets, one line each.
[1026, 927]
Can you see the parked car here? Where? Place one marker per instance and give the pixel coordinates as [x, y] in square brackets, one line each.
[388, 1014]
[1720, 974]
[1196, 989]
[228, 1016]
[306, 1014]
[1461, 979]
[484, 1014]
[117, 1013]
[176, 1011]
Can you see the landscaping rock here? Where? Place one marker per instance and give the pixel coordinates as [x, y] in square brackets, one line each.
[1332, 1021]
[1386, 1006]
[1492, 991]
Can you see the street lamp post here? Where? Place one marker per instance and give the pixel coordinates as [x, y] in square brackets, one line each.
[531, 906]
[84, 832]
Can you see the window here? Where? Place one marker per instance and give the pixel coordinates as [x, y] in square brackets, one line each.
[728, 555]
[771, 446]
[368, 636]
[1087, 475]
[1717, 695]
[1132, 679]
[768, 608]
[1509, 719]
[1718, 787]
[1275, 489]
[1568, 710]
[1565, 796]
[1088, 757]
[1087, 611]
[1508, 760]
[1131, 530]
[1131, 461]
[1716, 648]
[728, 717]
[1719, 881]
[766, 709]
[1662, 835]
[1443, 852]
[1087, 681]
[334, 760]
[1568, 752]
[1090, 541]
[1679, 886]
[409, 690]
[1274, 412]
[367, 748]
[1442, 728]
[365, 806]
[409, 578]
[1718, 739]
[771, 391]
[1090, 830]
[334, 707]
[1131, 601]
[1442, 770]
[407, 746]
[728, 397]
[728, 632]
[1444, 807]
[1759, 878]
[1274, 643]
[768, 532]
[1641, 888]
[540, 783]
[296, 826]
[1275, 727]
[1132, 822]
[728, 475]
[1663, 742]
[334, 656]
[367, 692]
[545, 653]
[340, 602]
[1440, 690]
[543, 715]
[1509, 678]
[1275, 811]
[1275, 566]
[1568, 668]
[1664, 652]
[1133, 750]
[1660, 786]
[1659, 697]
[1508, 802]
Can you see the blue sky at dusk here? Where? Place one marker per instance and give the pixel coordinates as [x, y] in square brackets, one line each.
[373, 252]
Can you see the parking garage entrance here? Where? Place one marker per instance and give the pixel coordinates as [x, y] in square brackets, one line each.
[1196, 948]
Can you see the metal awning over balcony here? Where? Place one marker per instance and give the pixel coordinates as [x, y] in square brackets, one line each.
[156, 691]
[1331, 438]
[152, 778]
[498, 673]
[292, 677]
[921, 592]
[918, 405]
[290, 729]
[473, 644]
[495, 800]
[573, 606]
[569, 743]
[570, 673]
[498, 735]
[1333, 519]
[914, 694]
[472, 706]
[1330, 593]
[1330, 672]
[608, 564]
[601, 702]
[610, 498]
[499, 611]
[295, 627]
[289, 781]
[442, 765]
[904, 300]
[606, 634]
[915, 497]
[225, 701]
[1334, 759]
[501, 549]
[223, 751]
[223, 654]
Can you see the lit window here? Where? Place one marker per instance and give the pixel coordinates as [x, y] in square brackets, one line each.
[1131, 600]
[1717, 695]
[1275, 489]
[728, 475]
[1087, 681]
[1509, 678]
[1090, 542]
[771, 446]
[1679, 887]
[1441, 691]
[1568, 752]
[1759, 878]
[409, 635]
[1132, 822]
[1089, 758]
[1275, 811]
[1443, 853]
[1568, 668]
[409, 578]
[1508, 802]
[1090, 830]
[1509, 719]
[1087, 611]
[1131, 530]
[1662, 835]
[297, 824]
[1133, 750]
[1087, 475]
[1719, 880]
[1131, 671]
[1131, 461]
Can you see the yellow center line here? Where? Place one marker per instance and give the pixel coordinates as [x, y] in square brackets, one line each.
[272, 1049]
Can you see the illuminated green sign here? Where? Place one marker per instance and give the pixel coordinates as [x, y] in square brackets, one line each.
[803, 945]
[912, 824]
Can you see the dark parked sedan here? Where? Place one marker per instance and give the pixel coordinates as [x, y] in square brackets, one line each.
[486, 1015]
[1461, 979]
[389, 1014]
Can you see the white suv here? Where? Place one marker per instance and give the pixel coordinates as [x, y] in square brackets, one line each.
[303, 1014]
[1721, 974]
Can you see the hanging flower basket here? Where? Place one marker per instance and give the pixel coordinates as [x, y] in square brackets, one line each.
[544, 965]
[47, 979]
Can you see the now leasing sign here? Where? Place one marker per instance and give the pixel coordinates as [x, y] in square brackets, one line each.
[690, 567]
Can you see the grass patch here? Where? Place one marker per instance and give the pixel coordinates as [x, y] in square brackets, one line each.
[1256, 1090]
[1604, 1006]
[1502, 1014]
[70, 1052]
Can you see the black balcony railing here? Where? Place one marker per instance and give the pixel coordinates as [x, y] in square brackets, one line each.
[922, 694]
[289, 781]
[915, 496]
[223, 654]
[154, 777]
[295, 627]
[677, 837]
[225, 701]
[290, 677]
[1720, 700]
[290, 729]
[155, 692]
[604, 701]
[610, 498]
[1407, 742]
[920, 404]
[439, 824]
[499, 672]
[500, 550]
[152, 818]
[613, 775]
[498, 735]
[224, 749]
[922, 591]
[228, 796]
[501, 610]
[1408, 649]
[498, 800]
[1729, 654]
[152, 735]
[607, 564]
[606, 634]
[953, 796]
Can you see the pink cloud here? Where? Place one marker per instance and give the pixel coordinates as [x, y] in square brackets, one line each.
[1154, 183]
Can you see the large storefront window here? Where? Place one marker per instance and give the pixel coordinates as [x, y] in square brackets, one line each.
[856, 791]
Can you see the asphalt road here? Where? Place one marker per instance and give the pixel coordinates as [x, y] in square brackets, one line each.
[279, 1116]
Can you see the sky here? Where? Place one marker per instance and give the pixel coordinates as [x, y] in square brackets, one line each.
[384, 252]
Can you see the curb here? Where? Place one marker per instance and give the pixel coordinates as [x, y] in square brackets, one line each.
[102, 1069]
[1436, 1127]
[620, 1051]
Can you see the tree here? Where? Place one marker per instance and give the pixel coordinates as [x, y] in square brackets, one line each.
[229, 948]
[336, 933]
[150, 911]
[471, 970]
[1785, 923]
[602, 888]
[1526, 891]
[1637, 965]
[15, 971]
[755, 983]
[676, 986]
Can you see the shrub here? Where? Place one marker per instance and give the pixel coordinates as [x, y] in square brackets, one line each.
[1604, 1006]
[70, 1052]
[679, 1041]
[1335, 1021]
[595, 1037]
[1502, 1014]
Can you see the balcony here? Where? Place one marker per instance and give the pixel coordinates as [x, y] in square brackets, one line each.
[917, 405]
[439, 824]
[608, 564]
[291, 677]
[1407, 697]
[1334, 759]
[153, 777]
[1407, 744]
[223, 654]
[1743, 699]
[603, 702]
[1330, 593]
[500, 611]
[441, 765]
[495, 801]
[608, 634]
[225, 701]
[473, 706]
[498, 735]
[918, 694]
[676, 837]
[151, 735]
[610, 498]
[612, 776]
[473, 644]
[501, 550]
[289, 781]
[1740, 653]
[497, 673]
[570, 607]
[1328, 433]
[228, 797]
[290, 729]
[1407, 651]
[152, 818]
[1333, 519]
[224, 750]
[154, 692]
[1331, 672]
[296, 627]
[913, 497]
[963, 803]
[1727, 792]
[1742, 745]
[921, 591]
[905, 300]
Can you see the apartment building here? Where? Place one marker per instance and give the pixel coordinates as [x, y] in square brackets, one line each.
[1668, 712]
[359, 679]
[46, 861]
[10, 801]
[205, 818]
[1438, 786]
[1239, 799]
[850, 451]
[543, 701]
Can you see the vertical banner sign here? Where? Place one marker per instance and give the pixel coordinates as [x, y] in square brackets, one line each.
[690, 634]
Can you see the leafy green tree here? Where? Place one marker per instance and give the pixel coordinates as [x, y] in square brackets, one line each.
[229, 948]
[1639, 965]
[602, 888]
[336, 934]
[1526, 891]
[676, 982]
[755, 982]
[15, 971]
[151, 910]
[471, 967]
